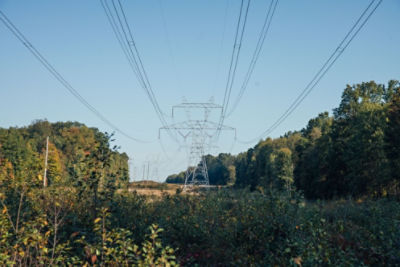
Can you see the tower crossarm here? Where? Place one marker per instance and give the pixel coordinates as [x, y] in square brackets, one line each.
[205, 106]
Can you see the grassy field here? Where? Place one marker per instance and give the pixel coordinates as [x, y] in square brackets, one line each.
[154, 189]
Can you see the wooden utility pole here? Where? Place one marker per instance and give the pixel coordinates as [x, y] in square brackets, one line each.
[131, 170]
[148, 170]
[45, 163]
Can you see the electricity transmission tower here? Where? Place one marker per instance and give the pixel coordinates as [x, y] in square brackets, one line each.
[199, 132]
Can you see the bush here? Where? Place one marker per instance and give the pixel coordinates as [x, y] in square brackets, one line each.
[230, 227]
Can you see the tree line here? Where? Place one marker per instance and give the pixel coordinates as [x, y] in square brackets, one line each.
[77, 218]
[75, 153]
[354, 152]
[86, 216]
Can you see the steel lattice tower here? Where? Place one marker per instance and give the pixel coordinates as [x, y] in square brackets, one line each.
[198, 133]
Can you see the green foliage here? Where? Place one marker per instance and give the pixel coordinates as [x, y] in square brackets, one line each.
[58, 225]
[115, 247]
[392, 136]
[359, 165]
[88, 216]
[73, 149]
[35, 243]
[176, 178]
[29, 234]
[269, 164]
[354, 153]
[283, 168]
[221, 171]
[238, 227]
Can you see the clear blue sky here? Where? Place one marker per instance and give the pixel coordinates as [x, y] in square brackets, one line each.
[187, 55]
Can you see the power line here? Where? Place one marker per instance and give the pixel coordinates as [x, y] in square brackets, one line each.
[256, 54]
[198, 131]
[119, 23]
[118, 35]
[355, 29]
[132, 43]
[142, 69]
[14, 30]
[240, 28]
[121, 35]
[235, 56]
[142, 76]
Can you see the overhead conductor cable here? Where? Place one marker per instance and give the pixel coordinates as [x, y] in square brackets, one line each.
[355, 29]
[14, 30]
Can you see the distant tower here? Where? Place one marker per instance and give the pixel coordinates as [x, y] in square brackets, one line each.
[197, 173]
[199, 133]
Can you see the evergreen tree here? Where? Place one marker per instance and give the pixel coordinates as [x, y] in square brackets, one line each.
[392, 136]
